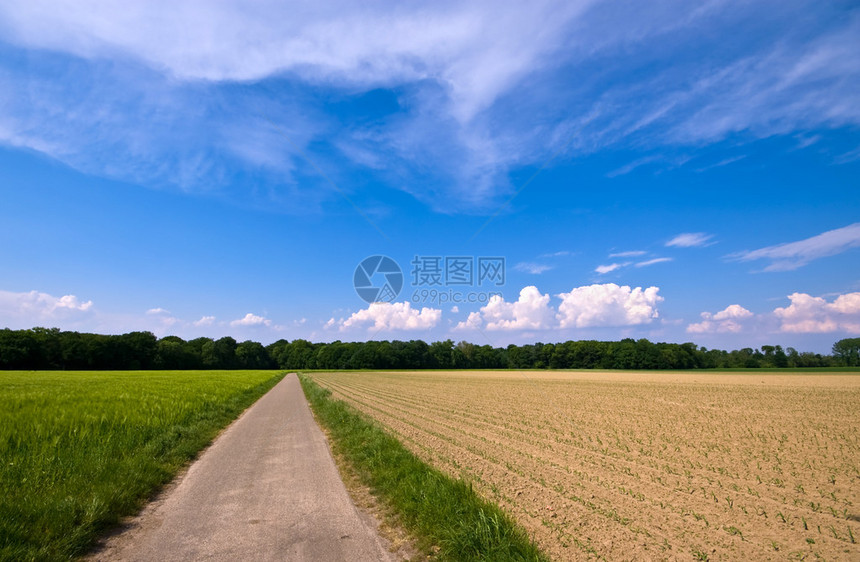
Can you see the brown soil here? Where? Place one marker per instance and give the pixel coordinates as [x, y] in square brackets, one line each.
[638, 466]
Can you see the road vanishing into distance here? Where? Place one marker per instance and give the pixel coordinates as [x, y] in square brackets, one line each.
[267, 489]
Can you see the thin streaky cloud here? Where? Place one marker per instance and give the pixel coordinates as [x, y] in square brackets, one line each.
[604, 269]
[721, 163]
[690, 240]
[792, 255]
[556, 254]
[652, 262]
[626, 169]
[533, 268]
[325, 176]
[464, 64]
[630, 254]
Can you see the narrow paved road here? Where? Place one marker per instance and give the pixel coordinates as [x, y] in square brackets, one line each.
[267, 489]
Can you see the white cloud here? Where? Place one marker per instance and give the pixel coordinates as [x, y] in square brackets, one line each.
[603, 269]
[727, 320]
[558, 254]
[630, 254]
[455, 309]
[164, 318]
[251, 320]
[792, 255]
[626, 169]
[391, 316]
[690, 240]
[533, 268]
[205, 321]
[808, 314]
[731, 312]
[477, 52]
[30, 309]
[458, 69]
[652, 262]
[608, 305]
[530, 311]
[473, 321]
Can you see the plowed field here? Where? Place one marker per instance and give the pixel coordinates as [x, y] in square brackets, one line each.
[638, 466]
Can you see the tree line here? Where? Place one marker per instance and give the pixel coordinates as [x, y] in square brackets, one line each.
[43, 348]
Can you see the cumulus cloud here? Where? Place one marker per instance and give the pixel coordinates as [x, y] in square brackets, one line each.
[727, 320]
[205, 321]
[164, 317]
[608, 305]
[530, 311]
[808, 314]
[390, 316]
[588, 306]
[251, 320]
[690, 240]
[732, 311]
[473, 321]
[35, 307]
[792, 255]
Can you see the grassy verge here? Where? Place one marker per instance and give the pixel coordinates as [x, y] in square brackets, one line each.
[80, 450]
[439, 510]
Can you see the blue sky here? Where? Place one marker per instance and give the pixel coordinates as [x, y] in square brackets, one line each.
[663, 170]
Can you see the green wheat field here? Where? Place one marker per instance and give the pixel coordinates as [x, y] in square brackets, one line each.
[79, 450]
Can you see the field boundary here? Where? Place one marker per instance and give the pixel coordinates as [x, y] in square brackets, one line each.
[445, 515]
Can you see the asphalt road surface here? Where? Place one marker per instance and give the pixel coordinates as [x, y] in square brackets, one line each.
[267, 489]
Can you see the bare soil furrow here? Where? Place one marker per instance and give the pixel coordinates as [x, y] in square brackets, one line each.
[641, 466]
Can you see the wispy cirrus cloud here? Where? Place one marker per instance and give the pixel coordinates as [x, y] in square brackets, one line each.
[185, 95]
[532, 267]
[654, 261]
[792, 255]
[628, 254]
[690, 240]
[609, 268]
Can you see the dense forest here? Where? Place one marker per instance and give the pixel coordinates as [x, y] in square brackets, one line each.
[41, 348]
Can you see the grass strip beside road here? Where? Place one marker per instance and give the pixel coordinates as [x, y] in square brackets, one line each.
[80, 450]
[437, 509]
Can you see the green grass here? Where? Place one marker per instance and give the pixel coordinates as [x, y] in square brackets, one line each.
[437, 509]
[79, 450]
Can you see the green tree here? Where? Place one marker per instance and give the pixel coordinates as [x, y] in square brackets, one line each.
[847, 352]
[252, 355]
